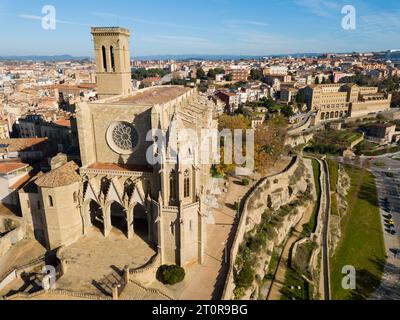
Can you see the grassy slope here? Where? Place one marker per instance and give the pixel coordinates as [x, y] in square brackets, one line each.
[333, 179]
[362, 243]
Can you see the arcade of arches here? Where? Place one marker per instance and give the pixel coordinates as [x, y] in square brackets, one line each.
[114, 216]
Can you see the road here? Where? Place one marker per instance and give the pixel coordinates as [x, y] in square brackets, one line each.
[388, 186]
[325, 233]
[386, 170]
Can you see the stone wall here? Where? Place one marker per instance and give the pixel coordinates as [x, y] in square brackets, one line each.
[252, 211]
[147, 274]
[298, 140]
[359, 109]
[12, 237]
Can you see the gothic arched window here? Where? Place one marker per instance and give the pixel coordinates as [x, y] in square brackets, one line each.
[172, 186]
[187, 184]
[103, 54]
[112, 55]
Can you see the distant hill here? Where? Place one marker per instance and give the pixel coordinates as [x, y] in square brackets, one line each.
[219, 57]
[64, 57]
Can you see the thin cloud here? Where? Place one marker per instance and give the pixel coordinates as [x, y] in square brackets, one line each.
[321, 8]
[33, 17]
[239, 23]
[107, 15]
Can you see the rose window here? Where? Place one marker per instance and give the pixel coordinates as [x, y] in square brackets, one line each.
[123, 137]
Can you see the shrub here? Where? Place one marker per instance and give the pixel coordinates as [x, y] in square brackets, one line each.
[245, 182]
[245, 277]
[171, 274]
[8, 225]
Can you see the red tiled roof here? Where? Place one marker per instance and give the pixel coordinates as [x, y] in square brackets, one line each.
[20, 144]
[62, 176]
[63, 122]
[8, 167]
[87, 86]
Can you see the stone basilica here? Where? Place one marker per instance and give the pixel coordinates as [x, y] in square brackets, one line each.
[116, 186]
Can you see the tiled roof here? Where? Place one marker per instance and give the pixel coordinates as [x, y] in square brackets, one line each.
[21, 182]
[63, 122]
[62, 176]
[21, 144]
[8, 167]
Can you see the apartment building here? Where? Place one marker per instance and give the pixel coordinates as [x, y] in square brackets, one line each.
[336, 101]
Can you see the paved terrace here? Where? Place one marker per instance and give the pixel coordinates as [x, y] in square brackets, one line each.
[95, 262]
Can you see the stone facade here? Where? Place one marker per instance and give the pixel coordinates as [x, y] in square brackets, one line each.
[338, 101]
[113, 61]
[117, 184]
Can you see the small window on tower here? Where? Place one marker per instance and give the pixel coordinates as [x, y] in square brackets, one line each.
[112, 55]
[172, 186]
[187, 184]
[51, 203]
[103, 53]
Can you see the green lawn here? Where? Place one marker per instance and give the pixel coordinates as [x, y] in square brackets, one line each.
[333, 142]
[362, 243]
[296, 288]
[371, 149]
[333, 168]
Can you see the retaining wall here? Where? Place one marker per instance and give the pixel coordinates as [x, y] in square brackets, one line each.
[243, 227]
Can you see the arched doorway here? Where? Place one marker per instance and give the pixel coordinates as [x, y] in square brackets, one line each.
[141, 225]
[96, 216]
[118, 217]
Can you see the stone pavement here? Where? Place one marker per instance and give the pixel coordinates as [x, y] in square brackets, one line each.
[95, 262]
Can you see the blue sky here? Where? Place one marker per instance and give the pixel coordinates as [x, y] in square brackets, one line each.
[251, 27]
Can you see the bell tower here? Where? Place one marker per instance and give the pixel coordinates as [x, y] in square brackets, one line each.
[113, 62]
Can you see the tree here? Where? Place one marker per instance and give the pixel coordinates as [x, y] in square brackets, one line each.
[256, 74]
[200, 74]
[211, 74]
[171, 274]
[269, 143]
[396, 100]
[228, 77]
[233, 122]
[301, 97]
